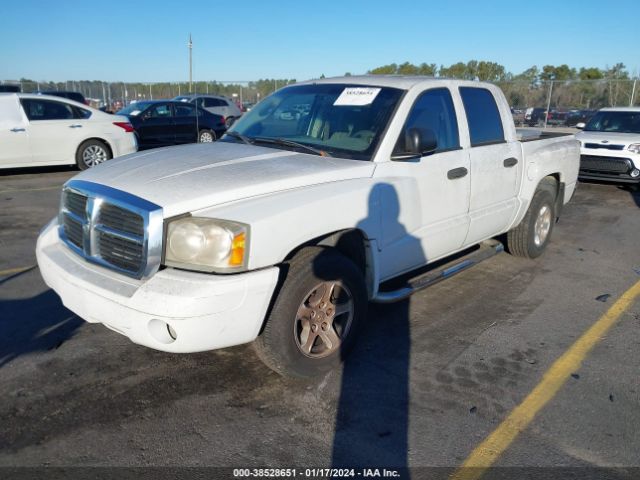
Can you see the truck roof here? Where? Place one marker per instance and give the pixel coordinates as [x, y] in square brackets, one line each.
[403, 82]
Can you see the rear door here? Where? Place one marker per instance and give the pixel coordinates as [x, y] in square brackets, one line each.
[186, 123]
[55, 130]
[496, 166]
[155, 127]
[14, 139]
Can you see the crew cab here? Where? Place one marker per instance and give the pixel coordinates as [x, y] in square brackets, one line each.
[610, 146]
[283, 231]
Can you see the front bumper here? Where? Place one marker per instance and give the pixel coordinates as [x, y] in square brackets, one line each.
[608, 177]
[204, 311]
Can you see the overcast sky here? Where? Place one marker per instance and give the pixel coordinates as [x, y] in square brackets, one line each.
[146, 40]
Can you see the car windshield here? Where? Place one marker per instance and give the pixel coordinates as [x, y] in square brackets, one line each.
[619, 122]
[337, 119]
[133, 109]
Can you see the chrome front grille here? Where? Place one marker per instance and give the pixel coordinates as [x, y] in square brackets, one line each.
[73, 230]
[117, 218]
[111, 228]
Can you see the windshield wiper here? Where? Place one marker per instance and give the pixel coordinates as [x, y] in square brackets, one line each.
[240, 137]
[291, 143]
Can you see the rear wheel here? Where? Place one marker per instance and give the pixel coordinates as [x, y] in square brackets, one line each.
[229, 121]
[316, 315]
[206, 136]
[92, 153]
[530, 238]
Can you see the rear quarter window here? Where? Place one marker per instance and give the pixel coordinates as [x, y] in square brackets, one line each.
[483, 116]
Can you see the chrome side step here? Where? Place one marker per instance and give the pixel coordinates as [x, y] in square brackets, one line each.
[487, 249]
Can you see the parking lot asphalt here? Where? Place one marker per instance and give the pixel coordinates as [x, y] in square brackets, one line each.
[429, 380]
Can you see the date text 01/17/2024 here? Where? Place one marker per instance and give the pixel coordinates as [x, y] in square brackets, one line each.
[314, 473]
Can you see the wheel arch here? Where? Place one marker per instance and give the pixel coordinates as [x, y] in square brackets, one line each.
[99, 139]
[352, 243]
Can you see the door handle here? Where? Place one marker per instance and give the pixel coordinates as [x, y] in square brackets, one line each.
[510, 162]
[457, 173]
[75, 126]
[15, 130]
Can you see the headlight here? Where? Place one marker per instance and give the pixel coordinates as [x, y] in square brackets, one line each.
[634, 147]
[206, 244]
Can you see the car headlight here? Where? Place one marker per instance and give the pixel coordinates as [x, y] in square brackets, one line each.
[206, 244]
[634, 147]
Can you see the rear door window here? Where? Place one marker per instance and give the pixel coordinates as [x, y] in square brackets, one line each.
[185, 110]
[483, 116]
[37, 109]
[214, 102]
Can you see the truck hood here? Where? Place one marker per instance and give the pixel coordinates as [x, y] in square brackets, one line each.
[609, 137]
[191, 177]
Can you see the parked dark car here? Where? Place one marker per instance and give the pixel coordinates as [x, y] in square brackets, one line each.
[9, 88]
[159, 123]
[557, 117]
[535, 116]
[75, 96]
[579, 116]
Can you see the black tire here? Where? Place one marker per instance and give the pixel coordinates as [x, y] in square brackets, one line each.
[522, 240]
[279, 345]
[207, 136]
[229, 121]
[91, 153]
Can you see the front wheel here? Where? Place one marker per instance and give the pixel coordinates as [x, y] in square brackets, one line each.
[530, 238]
[316, 315]
[206, 136]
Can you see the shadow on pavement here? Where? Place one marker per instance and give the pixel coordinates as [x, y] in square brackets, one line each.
[372, 420]
[36, 170]
[34, 324]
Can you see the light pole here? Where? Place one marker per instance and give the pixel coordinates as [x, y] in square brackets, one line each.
[190, 45]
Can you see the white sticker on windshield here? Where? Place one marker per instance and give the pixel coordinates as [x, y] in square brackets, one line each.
[357, 96]
[134, 113]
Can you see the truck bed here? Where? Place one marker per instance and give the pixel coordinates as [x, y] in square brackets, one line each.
[530, 135]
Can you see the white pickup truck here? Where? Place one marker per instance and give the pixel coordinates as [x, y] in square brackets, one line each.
[283, 231]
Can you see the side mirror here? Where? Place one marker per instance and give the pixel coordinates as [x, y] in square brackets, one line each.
[580, 125]
[418, 142]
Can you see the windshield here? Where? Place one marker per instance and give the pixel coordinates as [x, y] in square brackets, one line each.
[619, 122]
[133, 109]
[341, 120]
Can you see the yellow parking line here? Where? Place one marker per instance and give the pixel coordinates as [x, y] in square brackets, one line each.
[485, 454]
[12, 271]
[15, 190]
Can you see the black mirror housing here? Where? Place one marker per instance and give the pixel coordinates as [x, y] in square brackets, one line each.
[418, 143]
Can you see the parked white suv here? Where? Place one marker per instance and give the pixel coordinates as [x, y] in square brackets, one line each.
[217, 104]
[39, 130]
[286, 228]
[610, 146]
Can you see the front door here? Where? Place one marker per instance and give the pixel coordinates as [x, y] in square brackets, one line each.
[428, 218]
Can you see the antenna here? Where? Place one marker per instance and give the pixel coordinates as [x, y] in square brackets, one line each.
[190, 45]
[195, 102]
